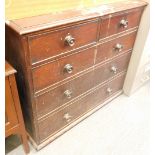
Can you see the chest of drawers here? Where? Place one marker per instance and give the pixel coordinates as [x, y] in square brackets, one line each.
[70, 64]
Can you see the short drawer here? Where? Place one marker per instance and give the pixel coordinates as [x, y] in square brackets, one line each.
[51, 73]
[110, 49]
[50, 44]
[57, 121]
[120, 22]
[59, 96]
[112, 68]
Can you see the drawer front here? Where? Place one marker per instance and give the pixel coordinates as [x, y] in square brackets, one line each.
[59, 96]
[63, 68]
[70, 113]
[122, 22]
[104, 27]
[114, 47]
[56, 43]
[111, 68]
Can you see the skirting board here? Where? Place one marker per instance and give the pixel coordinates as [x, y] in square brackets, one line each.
[53, 137]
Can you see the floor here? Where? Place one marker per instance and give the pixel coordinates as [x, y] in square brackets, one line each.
[119, 128]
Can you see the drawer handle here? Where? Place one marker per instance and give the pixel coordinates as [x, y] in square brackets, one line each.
[118, 47]
[109, 90]
[124, 23]
[69, 40]
[68, 68]
[68, 94]
[67, 117]
[114, 69]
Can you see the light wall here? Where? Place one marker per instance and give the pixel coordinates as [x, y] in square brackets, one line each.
[138, 71]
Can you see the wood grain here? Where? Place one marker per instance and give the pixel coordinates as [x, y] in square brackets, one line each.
[34, 47]
[16, 9]
[78, 108]
[14, 123]
[107, 50]
[44, 21]
[53, 72]
[47, 45]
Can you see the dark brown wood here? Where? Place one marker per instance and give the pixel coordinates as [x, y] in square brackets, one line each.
[16, 54]
[104, 71]
[50, 44]
[14, 123]
[78, 108]
[56, 98]
[104, 27]
[51, 73]
[132, 16]
[48, 21]
[37, 48]
[107, 50]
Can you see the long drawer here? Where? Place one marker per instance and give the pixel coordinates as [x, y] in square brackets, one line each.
[120, 22]
[59, 96]
[56, 98]
[75, 110]
[46, 45]
[112, 48]
[63, 68]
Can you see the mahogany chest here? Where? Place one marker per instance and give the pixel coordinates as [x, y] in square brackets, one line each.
[70, 63]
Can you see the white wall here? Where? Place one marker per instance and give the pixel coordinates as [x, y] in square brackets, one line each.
[138, 71]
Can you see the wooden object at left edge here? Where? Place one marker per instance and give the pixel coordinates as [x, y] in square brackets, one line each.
[14, 123]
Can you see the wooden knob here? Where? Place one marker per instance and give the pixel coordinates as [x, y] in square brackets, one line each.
[67, 117]
[68, 68]
[69, 40]
[68, 94]
[109, 90]
[118, 47]
[114, 69]
[124, 23]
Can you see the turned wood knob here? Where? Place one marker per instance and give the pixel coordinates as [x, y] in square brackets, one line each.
[109, 90]
[124, 23]
[114, 69]
[118, 47]
[68, 68]
[67, 117]
[68, 94]
[69, 40]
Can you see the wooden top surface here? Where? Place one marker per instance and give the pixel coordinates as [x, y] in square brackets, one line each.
[59, 16]
[9, 69]
[17, 9]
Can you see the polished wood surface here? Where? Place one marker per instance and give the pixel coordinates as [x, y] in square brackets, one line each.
[80, 85]
[61, 58]
[114, 27]
[51, 73]
[104, 71]
[78, 108]
[131, 16]
[76, 87]
[14, 123]
[16, 9]
[108, 50]
[50, 44]
[46, 21]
